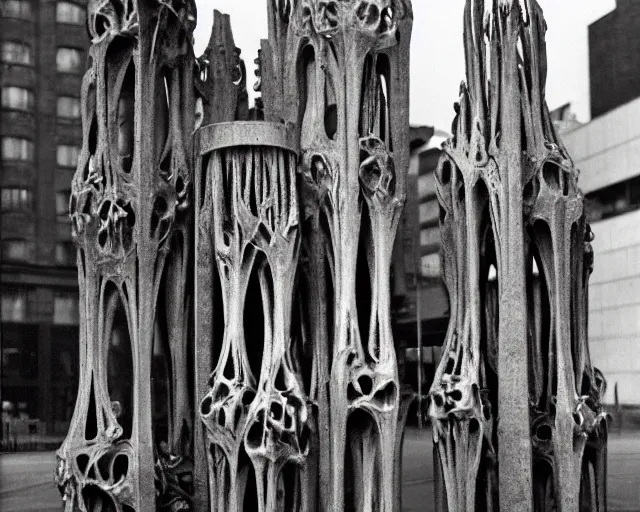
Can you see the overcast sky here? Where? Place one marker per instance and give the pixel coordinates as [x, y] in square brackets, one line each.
[437, 59]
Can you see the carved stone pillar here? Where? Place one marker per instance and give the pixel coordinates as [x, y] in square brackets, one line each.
[130, 211]
[515, 402]
[256, 411]
[339, 71]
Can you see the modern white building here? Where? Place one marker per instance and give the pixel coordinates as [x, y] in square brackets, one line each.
[607, 153]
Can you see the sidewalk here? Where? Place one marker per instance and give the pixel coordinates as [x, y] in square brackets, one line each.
[26, 479]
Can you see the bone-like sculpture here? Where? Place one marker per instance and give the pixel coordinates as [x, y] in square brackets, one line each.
[515, 402]
[248, 207]
[348, 96]
[130, 211]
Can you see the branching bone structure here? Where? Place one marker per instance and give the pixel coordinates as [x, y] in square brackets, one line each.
[517, 260]
[130, 211]
[348, 99]
[256, 418]
[288, 396]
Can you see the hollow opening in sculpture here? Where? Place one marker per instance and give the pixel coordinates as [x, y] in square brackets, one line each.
[97, 500]
[544, 495]
[218, 318]
[248, 489]
[588, 490]
[161, 371]
[578, 319]
[126, 119]
[91, 424]
[383, 73]
[162, 122]
[120, 378]
[308, 101]
[363, 285]
[374, 110]
[540, 294]
[220, 477]
[288, 493]
[539, 322]
[362, 471]
[258, 306]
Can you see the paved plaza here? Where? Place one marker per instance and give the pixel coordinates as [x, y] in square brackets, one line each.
[26, 479]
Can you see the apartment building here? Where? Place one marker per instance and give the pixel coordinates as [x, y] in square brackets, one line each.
[43, 45]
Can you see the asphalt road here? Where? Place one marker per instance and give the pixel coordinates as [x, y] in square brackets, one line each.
[26, 479]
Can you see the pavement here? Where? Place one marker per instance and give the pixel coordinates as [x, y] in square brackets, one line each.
[26, 479]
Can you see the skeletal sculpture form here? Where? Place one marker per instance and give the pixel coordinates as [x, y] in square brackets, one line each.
[348, 97]
[517, 260]
[253, 416]
[287, 395]
[130, 210]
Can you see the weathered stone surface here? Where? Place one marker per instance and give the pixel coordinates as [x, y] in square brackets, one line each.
[515, 401]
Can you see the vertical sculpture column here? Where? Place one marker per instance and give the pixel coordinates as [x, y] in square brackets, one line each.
[256, 410]
[347, 94]
[515, 402]
[130, 211]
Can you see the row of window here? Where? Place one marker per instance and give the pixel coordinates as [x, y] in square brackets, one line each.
[65, 306]
[17, 250]
[613, 200]
[68, 60]
[16, 148]
[18, 98]
[16, 199]
[66, 12]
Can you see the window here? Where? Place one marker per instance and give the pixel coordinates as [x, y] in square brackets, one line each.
[68, 107]
[613, 200]
[67, 156]
[16, 199]
[62, 203]
[67, 12]
[17, 98]
[430, 236]
[14, 52]
[17, 9]
[66, 308]
[14, 148]
[14, 306]
[426, 185]
[17, 250]
[430, 265]
[65, 254]
[429, 212]
[69, 60]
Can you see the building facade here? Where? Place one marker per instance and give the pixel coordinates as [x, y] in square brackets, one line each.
[607, 152]
[43, 57]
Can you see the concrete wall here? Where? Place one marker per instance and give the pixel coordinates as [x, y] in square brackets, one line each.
[614, 305]
[607, 151]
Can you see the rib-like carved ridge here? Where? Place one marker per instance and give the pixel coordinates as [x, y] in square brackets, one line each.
[517, 260]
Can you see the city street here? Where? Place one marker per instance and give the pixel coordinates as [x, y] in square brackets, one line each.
[26, 479]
